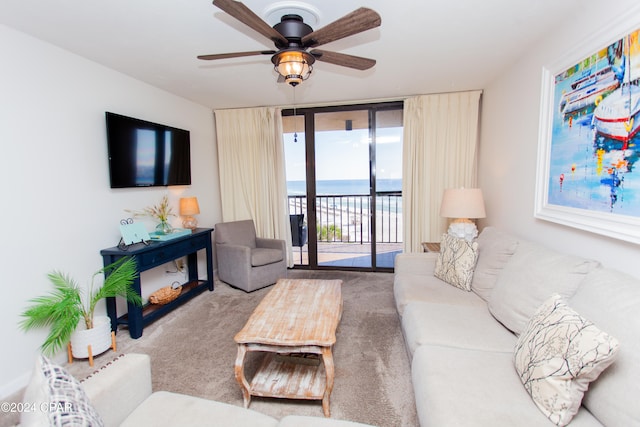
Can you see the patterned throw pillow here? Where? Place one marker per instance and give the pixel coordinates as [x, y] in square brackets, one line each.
[456, 261]
[57, 399]
[557, 357]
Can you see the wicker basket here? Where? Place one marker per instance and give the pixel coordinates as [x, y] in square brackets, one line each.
[165, 295]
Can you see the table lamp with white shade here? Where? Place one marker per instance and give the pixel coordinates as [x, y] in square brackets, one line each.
[188, 208]
[463, 204]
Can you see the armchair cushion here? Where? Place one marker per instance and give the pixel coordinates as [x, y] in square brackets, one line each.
[242, 233]
[278, 244]
[263, 256]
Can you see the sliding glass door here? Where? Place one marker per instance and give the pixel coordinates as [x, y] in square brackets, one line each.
[343, 188]
[387, 152]
[344, 178]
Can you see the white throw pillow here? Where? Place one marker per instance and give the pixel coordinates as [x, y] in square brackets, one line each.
[558, 355]
[54, 397]
[456, 261]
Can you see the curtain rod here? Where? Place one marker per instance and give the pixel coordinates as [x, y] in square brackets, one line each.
[350, 102]
[370, 101]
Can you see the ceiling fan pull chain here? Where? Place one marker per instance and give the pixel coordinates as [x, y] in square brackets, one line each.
[295, 123]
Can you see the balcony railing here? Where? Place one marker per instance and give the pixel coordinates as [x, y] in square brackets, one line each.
[346, 218]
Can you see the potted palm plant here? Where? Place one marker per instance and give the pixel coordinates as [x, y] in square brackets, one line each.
[64, 308]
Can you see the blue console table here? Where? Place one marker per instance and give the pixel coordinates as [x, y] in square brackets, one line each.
[154, 255]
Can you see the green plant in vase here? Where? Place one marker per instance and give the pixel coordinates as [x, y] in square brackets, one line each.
[64, 308]
[161, 212]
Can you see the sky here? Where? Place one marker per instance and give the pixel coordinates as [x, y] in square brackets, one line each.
[344, 155]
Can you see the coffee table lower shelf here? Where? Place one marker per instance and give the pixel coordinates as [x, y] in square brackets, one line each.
[290, 377]
[294, 328]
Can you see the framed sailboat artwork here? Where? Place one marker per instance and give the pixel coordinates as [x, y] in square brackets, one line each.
[589, 143]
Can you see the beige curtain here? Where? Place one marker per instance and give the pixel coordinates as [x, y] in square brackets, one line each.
[439, 152]
[252, 171]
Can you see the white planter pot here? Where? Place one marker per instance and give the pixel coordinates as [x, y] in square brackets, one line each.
[99, 338]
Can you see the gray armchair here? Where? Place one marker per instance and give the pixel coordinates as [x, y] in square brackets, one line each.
[245, 261]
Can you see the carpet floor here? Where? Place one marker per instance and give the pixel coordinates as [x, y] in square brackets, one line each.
[192, 352]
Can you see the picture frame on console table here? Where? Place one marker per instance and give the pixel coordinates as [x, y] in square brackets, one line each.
[588, 173]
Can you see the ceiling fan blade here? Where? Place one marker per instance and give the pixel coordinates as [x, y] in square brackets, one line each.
[245, 15]
[351, 61]
[235, 54]
[359, 20]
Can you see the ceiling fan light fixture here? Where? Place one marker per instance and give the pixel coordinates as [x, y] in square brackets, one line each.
[294, 65]
[293, 37]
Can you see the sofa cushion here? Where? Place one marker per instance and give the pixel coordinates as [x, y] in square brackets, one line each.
[57, 399]
[262, 256]
[558, 355]
[463, 387]
[495, 249]
[420, 263]
[532, 275]
[165, 409]
[305, 421]
[456, 261]
[454, 326]
[408, 288]
[118, 386]
[611, 300]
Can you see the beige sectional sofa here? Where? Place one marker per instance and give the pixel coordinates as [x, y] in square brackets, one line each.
[461, 343]
[119, 394]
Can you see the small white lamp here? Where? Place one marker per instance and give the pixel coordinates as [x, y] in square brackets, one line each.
[463, 204]
[188, 208]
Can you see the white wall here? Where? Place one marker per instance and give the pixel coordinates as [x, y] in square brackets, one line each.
[509, 142]
[57, 208]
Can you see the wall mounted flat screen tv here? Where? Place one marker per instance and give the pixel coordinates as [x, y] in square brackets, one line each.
[145, 154]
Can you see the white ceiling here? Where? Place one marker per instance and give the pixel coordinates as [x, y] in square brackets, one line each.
[422, 46]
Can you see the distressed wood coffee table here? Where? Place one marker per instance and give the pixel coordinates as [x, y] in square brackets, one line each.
[295, 325]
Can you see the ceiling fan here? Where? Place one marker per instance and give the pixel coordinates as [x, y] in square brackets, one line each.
[293, 39]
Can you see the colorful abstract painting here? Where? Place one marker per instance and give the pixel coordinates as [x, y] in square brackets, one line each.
[592, 138]
[595, 142]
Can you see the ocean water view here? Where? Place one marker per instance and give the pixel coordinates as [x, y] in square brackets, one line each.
[349, 196]
[335, 187]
